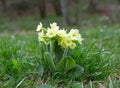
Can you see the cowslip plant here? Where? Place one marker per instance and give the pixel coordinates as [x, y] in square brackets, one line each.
[55, 44]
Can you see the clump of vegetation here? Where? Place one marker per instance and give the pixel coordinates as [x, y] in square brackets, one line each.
[55, 44]
[22, 64]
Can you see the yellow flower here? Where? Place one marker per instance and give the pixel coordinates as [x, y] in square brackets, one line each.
[62, 33]
[74, 33]
[54, 26]
[65, 42]
[64, 45]
[41, 36]
[73, 45]
[50, 33]
[39, 27]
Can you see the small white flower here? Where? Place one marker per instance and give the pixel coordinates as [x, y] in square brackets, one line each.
[62, 33]
[50, 33]
[41, 36]
[73, 45]
[54, 26]
[39, 27]
[80, 39]
[74, 33]
[65, 42]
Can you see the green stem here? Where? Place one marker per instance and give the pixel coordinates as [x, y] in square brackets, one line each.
[51, 48]
[65, 53]
[46, 48]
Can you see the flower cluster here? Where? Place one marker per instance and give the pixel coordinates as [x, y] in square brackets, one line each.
[54, 33]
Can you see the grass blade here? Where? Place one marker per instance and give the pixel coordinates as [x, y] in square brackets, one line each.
[20, 82]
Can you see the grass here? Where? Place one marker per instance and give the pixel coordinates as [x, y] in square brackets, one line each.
[20, 55]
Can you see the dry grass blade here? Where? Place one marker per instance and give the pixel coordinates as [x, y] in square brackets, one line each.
[101, 85]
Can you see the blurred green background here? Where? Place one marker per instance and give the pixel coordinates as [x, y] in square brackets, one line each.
[18, 15]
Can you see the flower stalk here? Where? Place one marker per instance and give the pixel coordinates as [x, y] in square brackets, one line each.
[65, 52]
[51, 48]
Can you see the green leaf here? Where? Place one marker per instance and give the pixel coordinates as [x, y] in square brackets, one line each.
[49, 62]
[76, 71]
[20, 82]
[78, 85]
[41, 69]
[16, 65]
[65, 64]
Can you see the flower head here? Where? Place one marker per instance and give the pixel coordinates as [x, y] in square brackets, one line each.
[39, 27]
[65, 42]
[41, 36]
[54, 26]
[73, 45]
[74, 33]
[80, 39]
[64, 39]
[50, 33]
[62, 33]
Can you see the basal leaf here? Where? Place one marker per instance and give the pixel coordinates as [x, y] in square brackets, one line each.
[49, 62]
[65, 64]
[76, 71]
